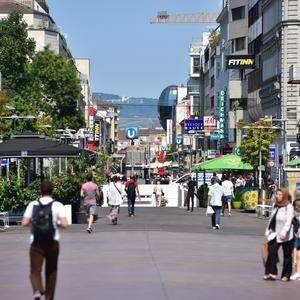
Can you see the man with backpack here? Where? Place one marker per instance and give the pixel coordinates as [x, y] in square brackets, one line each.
[132, 190]
[44, 216]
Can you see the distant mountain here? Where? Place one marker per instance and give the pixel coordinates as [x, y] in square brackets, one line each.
[134, 111]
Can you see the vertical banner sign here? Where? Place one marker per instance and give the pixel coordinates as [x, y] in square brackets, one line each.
[187, 109]
[222, 115]
[169, 132]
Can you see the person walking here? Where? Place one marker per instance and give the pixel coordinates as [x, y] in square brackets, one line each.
[115, 195]
[296, 223]
[228, 195]
[215, 195]
[90, 193]
[192, 190]
[158, 192]
[279, 232]
[132, 190]
[44, 216]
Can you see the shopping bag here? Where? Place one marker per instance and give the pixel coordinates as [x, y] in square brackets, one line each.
[209, 211]
[264, 253]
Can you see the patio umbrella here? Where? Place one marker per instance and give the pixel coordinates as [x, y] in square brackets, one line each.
[293, 163]
[226, 162]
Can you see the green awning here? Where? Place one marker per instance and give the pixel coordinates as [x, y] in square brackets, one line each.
[293, 163]
[226, 162]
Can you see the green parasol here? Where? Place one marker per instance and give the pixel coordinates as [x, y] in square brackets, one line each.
[293, 163]
[226, 162]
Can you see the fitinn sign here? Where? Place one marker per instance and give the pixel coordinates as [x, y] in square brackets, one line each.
[240, 62]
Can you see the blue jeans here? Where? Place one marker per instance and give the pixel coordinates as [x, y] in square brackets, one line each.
[131, 202]
[216, 217]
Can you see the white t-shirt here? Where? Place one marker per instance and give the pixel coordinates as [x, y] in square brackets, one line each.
[216, 193]
[58, 212]
[115, 193]
[228, 187]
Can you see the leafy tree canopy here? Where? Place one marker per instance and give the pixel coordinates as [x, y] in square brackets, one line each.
[258, 135]
[41, 84]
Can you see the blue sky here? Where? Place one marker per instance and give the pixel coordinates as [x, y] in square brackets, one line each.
[129, 56]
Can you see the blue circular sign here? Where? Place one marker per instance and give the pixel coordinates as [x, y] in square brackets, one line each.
[132, 133]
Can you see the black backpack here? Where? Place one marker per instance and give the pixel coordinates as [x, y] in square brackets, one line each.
[131, 190]
[42, 223]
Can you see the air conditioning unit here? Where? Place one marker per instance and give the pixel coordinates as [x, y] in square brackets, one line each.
[294, 75]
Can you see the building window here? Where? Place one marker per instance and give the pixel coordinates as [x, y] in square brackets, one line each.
[240, 44]
[212, 81]
[238, 13]
[196, 65]
[218, 69]
[206, 55]
[212, 61]
[255, 46]
[254, 13]
[212, 102]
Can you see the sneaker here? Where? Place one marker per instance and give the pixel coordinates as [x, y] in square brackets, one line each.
[270, 277]
[214, 227]
[89, 230]
[295, 276]
[217, 226]
[37, 296]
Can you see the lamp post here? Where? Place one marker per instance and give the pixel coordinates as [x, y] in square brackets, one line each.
[15, 118]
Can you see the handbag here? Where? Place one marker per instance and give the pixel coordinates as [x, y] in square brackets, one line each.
[209, 211]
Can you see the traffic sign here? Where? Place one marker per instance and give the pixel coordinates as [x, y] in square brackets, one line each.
[179, 140]
[272, 151]
[271, 163]
[132, 133]
[4, 162]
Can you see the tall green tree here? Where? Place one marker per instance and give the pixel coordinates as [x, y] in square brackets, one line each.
[57, 89]
[16, 50]
[259, 136]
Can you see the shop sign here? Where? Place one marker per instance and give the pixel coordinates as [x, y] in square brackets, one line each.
[240, 62]
[193, 125]
[222, 114]
[209, 121]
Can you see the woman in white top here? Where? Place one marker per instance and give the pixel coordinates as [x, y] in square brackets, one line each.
[279, 232]
[114, 196]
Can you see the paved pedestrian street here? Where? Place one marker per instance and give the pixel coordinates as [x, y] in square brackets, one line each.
[163, 253]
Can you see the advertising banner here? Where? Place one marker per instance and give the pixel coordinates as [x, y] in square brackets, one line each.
[169, 132]
[193, 125]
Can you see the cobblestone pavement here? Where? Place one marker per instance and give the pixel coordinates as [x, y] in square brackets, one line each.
[159, 254]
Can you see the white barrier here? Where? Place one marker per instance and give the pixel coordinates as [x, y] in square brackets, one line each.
[172, 193]
[68, 211]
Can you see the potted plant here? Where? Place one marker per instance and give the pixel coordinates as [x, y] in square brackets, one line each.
[237, 202]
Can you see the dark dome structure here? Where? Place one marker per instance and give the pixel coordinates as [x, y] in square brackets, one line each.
[167, 104]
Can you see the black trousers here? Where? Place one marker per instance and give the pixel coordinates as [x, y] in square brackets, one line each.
[40, 252]
[271, 264]
[190, 196]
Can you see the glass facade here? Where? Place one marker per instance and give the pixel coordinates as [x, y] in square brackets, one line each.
[167, 104]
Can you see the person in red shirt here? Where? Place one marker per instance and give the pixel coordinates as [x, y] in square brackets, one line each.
[132, 190]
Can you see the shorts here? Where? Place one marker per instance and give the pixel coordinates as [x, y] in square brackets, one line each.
[227, 199]
[297, 243]
[90, 209]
